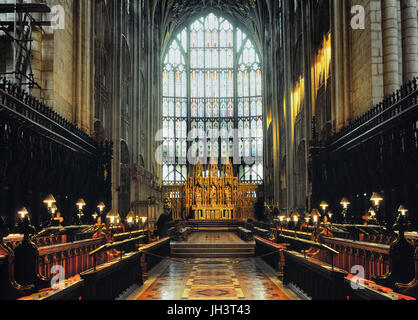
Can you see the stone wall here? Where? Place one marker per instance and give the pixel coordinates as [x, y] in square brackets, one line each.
[360, 64]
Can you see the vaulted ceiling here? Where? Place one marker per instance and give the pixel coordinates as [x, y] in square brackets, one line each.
[170, 15]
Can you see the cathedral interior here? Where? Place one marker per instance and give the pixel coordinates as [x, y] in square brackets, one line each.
[208, 150]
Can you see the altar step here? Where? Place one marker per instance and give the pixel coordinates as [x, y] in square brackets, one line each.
[212, 250]
[213, 225]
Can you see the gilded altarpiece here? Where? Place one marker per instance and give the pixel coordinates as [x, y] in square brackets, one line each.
[213, 196]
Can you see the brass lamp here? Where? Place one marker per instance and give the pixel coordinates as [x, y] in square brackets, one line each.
[80, 204]
[130, 218]
[316, 216]
[345, 203]
[54, 209]
[49, 201]
[324, 206]
[282, 217]
[402, 222]
[376, 199]
[402, 210]
[111, 217]
[101, 206]
[308, 217]
[143, 219]
[23, 213]
[295, 218]
[371, 219]
[117, 218]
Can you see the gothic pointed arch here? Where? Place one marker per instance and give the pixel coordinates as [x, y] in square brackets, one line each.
[212, 89]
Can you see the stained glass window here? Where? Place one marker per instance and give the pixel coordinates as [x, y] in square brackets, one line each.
[212, 84]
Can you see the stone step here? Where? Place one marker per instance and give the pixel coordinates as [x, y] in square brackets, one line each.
[212, 255]
[214, 246]
[194, 250]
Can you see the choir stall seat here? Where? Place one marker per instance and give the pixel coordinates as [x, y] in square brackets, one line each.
[401, 258]
[27, 260]
[10, 289]
[411, 289]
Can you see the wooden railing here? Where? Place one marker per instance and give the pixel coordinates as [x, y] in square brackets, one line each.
[120, 247]
[18, 102]
[271, 253]
[373, 257]
[154, 253]
[264, 233]
[398, 105]
[73, 257]
[310, 248]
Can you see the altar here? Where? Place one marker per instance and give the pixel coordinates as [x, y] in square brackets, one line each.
[211, 213]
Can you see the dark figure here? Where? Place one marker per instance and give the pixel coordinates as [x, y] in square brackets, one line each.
[164, 221]
[163, 224]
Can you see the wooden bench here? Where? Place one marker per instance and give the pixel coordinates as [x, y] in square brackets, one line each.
[108, 281]
[10, 289]
[411, 289]
[315, 279]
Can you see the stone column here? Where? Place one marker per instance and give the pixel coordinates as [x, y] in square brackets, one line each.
[409, 39]
[390, 47]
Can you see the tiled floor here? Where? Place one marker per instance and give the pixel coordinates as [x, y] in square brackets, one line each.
[213, 279]
[214, 238]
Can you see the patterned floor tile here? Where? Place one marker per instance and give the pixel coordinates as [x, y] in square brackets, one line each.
[213, 279]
